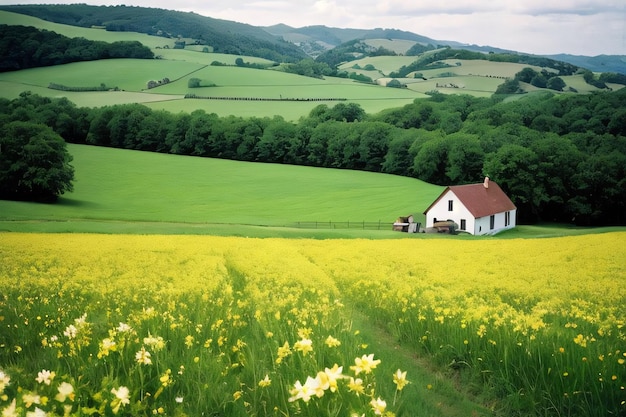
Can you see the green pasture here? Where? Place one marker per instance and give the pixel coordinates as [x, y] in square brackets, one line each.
[386, 64]
[473, 85]
[479, 68]
[399, 46]
[126, 74]
[132, 186]
[192, 54]
[579, 83]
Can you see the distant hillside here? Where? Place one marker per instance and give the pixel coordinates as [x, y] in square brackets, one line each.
[600, 63]
[222, 35]
[316, 40]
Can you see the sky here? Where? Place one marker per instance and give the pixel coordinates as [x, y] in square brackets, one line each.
[542, 27]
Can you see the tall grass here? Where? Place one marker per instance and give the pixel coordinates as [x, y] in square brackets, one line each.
[235, 326]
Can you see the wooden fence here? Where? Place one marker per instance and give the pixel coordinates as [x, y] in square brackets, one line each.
[379, 225]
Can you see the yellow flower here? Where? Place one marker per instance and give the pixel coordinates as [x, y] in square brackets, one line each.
[399, 378]
[283, 352]
[66, 390]
[332, 342]
[365, 363]
[379, 406]
[304, 345]
[265, 382]
[189, 341]
[237, 395]
[580, 340]
[356, 386]
[166, 378]
[29, 399]
[482, 330]
[107, 345]
[305, 333]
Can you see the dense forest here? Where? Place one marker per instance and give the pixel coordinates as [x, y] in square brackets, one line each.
[560, 158]
[24, 47]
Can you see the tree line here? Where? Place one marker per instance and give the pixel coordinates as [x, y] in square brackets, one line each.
[560, 158]
[24, 47]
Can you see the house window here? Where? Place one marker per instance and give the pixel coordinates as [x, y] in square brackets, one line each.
[492, 221]
[450, 205]
[463, 225]
[507, 218]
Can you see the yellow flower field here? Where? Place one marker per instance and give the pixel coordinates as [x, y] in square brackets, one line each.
[179, 325]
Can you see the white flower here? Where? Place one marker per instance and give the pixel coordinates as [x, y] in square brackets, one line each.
[124, 328]
[45, 377]
[143, 357]
[122, 394]
[37, 413]
[10, 411]
[4, 381]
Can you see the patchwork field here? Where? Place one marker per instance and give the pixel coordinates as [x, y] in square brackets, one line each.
[183, 325]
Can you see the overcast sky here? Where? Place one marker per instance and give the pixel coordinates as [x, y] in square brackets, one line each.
[579, 27]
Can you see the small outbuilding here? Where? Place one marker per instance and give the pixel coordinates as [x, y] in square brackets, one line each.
[406, 224]
[478, 209]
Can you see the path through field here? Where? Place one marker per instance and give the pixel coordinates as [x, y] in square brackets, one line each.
[438, 393]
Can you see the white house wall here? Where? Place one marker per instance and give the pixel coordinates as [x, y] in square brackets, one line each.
[482, 225]
[440, 212]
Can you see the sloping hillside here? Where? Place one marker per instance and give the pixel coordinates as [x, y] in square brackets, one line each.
[222, 35]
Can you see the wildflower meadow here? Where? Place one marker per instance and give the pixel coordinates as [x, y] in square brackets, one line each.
[116, 325]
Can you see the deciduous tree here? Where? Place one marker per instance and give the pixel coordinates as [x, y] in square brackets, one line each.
[34, 163]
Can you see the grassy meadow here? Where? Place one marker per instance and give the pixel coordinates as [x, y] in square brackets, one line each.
[122, 185]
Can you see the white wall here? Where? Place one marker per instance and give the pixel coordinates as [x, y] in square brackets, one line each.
[482, 224]
[440, 212]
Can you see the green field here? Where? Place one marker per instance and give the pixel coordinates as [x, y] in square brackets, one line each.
[130, 186]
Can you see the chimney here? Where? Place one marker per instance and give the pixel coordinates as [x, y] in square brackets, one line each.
[486, 182]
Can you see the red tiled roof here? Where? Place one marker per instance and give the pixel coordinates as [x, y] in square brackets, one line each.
[480, 201]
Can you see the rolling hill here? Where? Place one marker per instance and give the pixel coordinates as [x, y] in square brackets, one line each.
[278, 43]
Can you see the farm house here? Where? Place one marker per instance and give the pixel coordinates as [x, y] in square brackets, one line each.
[478, 209]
